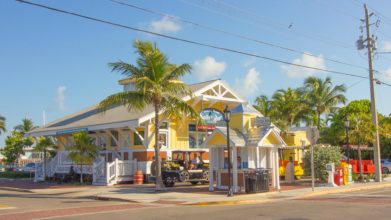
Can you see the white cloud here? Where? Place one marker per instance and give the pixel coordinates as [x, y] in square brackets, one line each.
[164, 25]
[248, 85]
[61, 97]
[249, 62]
[386, 76]
[305, 60]
[208, 68]
[386, 46]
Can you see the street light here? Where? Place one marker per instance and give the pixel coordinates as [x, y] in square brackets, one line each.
[347, 123]
[227, 117]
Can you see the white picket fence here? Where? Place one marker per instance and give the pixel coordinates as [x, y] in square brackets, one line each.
[103, 173]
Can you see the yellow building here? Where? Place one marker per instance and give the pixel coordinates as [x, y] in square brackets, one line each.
[125, 139]
[297, 142]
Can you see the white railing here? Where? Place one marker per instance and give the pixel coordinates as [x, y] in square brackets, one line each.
[103, 173]
[99, 171]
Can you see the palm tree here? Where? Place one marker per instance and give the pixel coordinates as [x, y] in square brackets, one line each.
[26, 126]
[288, 107]
[157, 83]
[263, 105]
[45, 145]
[2, 124]
[322, 96]
[83, 151]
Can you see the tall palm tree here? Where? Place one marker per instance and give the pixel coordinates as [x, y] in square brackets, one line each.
[26, 126]
[2, 124]
[83, 151]
[263, 104]
[322, 96]
[157, 83]
[288, 107]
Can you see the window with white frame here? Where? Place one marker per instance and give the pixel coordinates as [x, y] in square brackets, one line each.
[164, 135]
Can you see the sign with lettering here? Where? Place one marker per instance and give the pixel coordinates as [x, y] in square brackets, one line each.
[72, 130]
[261, 121]
[211, 116]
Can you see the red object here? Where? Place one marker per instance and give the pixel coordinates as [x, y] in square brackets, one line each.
[338, 176]
[138, 177]
[206, 127]
[367, 166]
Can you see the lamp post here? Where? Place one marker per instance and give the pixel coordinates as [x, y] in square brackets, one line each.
[227, 116]
[347, 123]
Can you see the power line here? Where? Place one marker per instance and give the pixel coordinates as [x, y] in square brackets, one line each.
[188, 41]
[276, 25]
[232, 33]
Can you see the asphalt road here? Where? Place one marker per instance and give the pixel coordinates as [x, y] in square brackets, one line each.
[369, 204]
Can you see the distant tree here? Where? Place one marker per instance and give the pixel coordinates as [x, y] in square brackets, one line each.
[46, 146]
[2, 124]
[322, 156]
[83, 151]
[362, 131]
[14, 144]
[289, 107]
[263, 105]
[157, 83]
[322, 96]
[26, 126]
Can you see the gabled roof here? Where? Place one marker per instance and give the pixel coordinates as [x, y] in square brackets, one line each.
[116, 117]
[245, 108]
[236, 137]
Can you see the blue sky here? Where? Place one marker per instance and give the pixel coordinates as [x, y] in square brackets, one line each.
[58, 63]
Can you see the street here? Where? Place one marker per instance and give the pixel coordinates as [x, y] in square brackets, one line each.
[366, 204]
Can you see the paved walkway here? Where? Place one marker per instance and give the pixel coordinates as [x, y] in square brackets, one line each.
[184, 194]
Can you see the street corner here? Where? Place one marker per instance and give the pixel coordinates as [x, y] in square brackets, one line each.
[348, 188]
[228, 202]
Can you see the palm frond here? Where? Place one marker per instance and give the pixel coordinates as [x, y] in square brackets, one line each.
[175, 108]
[134, 100]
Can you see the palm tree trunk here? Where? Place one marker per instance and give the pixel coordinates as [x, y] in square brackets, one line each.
[360, 163]
[159, 182]
[81, 173]
[44, 164]
[318, 114]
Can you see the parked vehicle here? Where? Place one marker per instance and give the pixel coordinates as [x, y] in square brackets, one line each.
[30, 167]
[182, 169]
[385, 166]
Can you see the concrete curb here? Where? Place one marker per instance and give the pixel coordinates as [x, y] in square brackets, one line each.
[106, 198]
[15, 189]
[364, 186]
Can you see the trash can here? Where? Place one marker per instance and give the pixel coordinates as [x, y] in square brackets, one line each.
[257, 181]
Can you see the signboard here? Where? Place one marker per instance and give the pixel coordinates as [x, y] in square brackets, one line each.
[261, 121]
[206, 127]
[72, 130]
[211, 116]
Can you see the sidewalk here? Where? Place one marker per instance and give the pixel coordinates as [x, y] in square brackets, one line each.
[148, 195]
[185, 194]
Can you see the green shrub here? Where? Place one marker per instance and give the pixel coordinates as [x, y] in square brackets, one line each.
[322, 156]
[16, 174]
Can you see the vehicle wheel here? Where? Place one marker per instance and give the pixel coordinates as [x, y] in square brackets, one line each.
[194, 182]
[205, 175]
[184, 176]
[385, 170]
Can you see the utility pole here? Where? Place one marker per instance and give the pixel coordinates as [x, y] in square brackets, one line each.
[370, 47]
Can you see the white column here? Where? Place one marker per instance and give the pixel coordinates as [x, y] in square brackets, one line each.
[235, 168]
[211, 168]
[257, 164]
[276, 170]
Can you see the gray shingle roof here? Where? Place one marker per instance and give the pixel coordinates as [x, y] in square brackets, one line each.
[92, 116]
